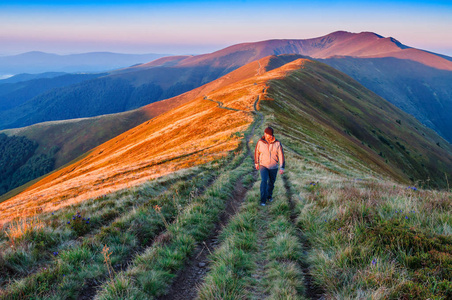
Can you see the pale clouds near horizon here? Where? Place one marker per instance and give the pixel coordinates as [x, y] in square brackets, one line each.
[182, 27]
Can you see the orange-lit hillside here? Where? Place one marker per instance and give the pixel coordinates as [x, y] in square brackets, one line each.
[194, 133]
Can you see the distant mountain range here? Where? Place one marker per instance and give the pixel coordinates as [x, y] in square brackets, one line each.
[40, 62]
[26, 77]
[415, 80]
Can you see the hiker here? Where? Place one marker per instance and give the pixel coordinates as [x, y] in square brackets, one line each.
[268, 153]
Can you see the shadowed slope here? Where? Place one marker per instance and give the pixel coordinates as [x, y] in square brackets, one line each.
[351, 125]
[424, 92]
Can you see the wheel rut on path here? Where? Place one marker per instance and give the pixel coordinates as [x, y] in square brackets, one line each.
[312, 291]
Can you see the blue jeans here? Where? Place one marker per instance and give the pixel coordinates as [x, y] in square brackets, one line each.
[268, 177]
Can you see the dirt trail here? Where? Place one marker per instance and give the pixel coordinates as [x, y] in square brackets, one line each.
[221, 105]
[257, 291]
[312, 291]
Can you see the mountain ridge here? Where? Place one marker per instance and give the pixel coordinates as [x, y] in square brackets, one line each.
[346, 44]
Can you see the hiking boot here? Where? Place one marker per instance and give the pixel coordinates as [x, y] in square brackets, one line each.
[262, 204]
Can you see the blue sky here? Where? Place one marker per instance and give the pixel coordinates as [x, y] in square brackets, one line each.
[181, 27]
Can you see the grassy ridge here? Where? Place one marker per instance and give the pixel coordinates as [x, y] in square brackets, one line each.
[366, 233]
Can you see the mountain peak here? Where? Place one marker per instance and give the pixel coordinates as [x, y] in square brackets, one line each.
[370, 33]
[342, 34]
[36, 54]
[399, 44]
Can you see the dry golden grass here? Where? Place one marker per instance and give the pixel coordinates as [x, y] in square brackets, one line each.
[23, 226]
[133, 159]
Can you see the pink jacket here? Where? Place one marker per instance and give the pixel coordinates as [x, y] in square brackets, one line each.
[269, 154]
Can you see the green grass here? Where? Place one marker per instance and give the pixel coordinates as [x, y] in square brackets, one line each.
[375, 239]
[127, 234]
[284, 250]
[234, 261]
[151, 272]
[259, 255]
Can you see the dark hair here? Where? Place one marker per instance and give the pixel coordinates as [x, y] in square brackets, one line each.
[268, 130]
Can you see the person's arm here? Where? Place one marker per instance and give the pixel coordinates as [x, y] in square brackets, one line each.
[282, 160]
[256, 156]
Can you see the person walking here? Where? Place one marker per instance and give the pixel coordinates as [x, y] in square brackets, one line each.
[267, 155]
